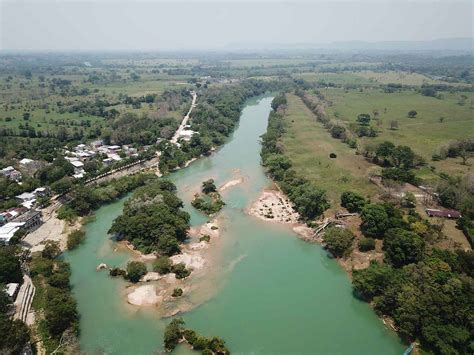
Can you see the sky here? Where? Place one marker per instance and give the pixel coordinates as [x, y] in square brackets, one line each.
[193, 25]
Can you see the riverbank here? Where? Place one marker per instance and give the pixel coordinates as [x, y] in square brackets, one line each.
[250, 282]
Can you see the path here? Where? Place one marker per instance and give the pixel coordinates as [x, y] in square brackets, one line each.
[185, 119]
[24, 299]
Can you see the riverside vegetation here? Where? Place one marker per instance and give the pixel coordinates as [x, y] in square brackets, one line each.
[407, 117]
[176, 333]
[210, 202]
[425, 290]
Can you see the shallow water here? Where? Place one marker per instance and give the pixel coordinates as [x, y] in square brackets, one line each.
[270, 292]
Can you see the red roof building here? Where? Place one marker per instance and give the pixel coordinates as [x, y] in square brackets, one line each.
[443, 213]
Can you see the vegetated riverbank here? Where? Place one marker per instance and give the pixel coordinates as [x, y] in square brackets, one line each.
[399, 273]
[246, 283]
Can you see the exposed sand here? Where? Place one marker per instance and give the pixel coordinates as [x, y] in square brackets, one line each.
[145, 296]
[156, 290]
[53, 229]
[192, 260]
[231, 183]
[273, 205]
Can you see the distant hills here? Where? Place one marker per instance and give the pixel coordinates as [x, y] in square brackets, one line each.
[447, 44]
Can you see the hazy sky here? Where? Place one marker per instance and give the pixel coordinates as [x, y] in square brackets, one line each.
[160, 25]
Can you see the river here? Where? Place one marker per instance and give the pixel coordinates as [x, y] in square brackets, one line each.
[270, 293]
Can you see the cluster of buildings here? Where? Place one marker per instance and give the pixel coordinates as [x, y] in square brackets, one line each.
[24, 218]
[107, 153]
[25, 165]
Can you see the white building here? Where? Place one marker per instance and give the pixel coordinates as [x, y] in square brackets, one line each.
[8, 230]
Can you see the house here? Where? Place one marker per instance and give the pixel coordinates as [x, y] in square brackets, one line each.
[8, 231]
[25, 162]
[31, 220]
[107, 161]
[186, 134]
[25, 197]
[114, 157]
[12, 213]
[11, 173]
[44, 191]
[443, 213]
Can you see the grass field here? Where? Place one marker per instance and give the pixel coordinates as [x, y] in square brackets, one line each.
[346, 78]
[397, 77]
[425, 134]
[371, 78]
[308, 145]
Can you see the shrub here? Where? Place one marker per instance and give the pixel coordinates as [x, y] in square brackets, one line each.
[75, 238]
[173, 333]
[352, 201]
[51, 250]
[366, 244]
[135, 270]
[208, 186]
[177, 292]
[163, 265]
[180, 271]
[116, 271]
[205, 238]
[338, 241]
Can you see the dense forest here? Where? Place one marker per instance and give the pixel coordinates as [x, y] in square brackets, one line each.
[153, 220]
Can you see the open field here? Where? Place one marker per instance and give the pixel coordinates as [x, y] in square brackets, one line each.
[425, 134]
[371, 78]
[308, 145]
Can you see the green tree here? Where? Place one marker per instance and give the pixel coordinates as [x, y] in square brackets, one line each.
[352, 201]
[208, 186]
[310, 201]
[363, 119]
[135, 270]
[412, 114]
[374, 220]
[173, 333]
[163, 265]
[338, 241]
[403, 247]
[51, 250]
[10, 266]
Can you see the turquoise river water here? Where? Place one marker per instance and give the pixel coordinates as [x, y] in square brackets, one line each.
[269, 293]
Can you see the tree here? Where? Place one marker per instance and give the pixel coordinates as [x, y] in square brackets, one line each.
[10, 266]
[412, 114]
[338, 241]
[309, 200]
[403, 247]
[208, 186]
[180, 271]
[75, 238]
[372, 281]
[51, 250]
[352, 201]
[374, 220]
[173, 333]
[163, 265]
[60, 310]
[363, 119]
[135, 270]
